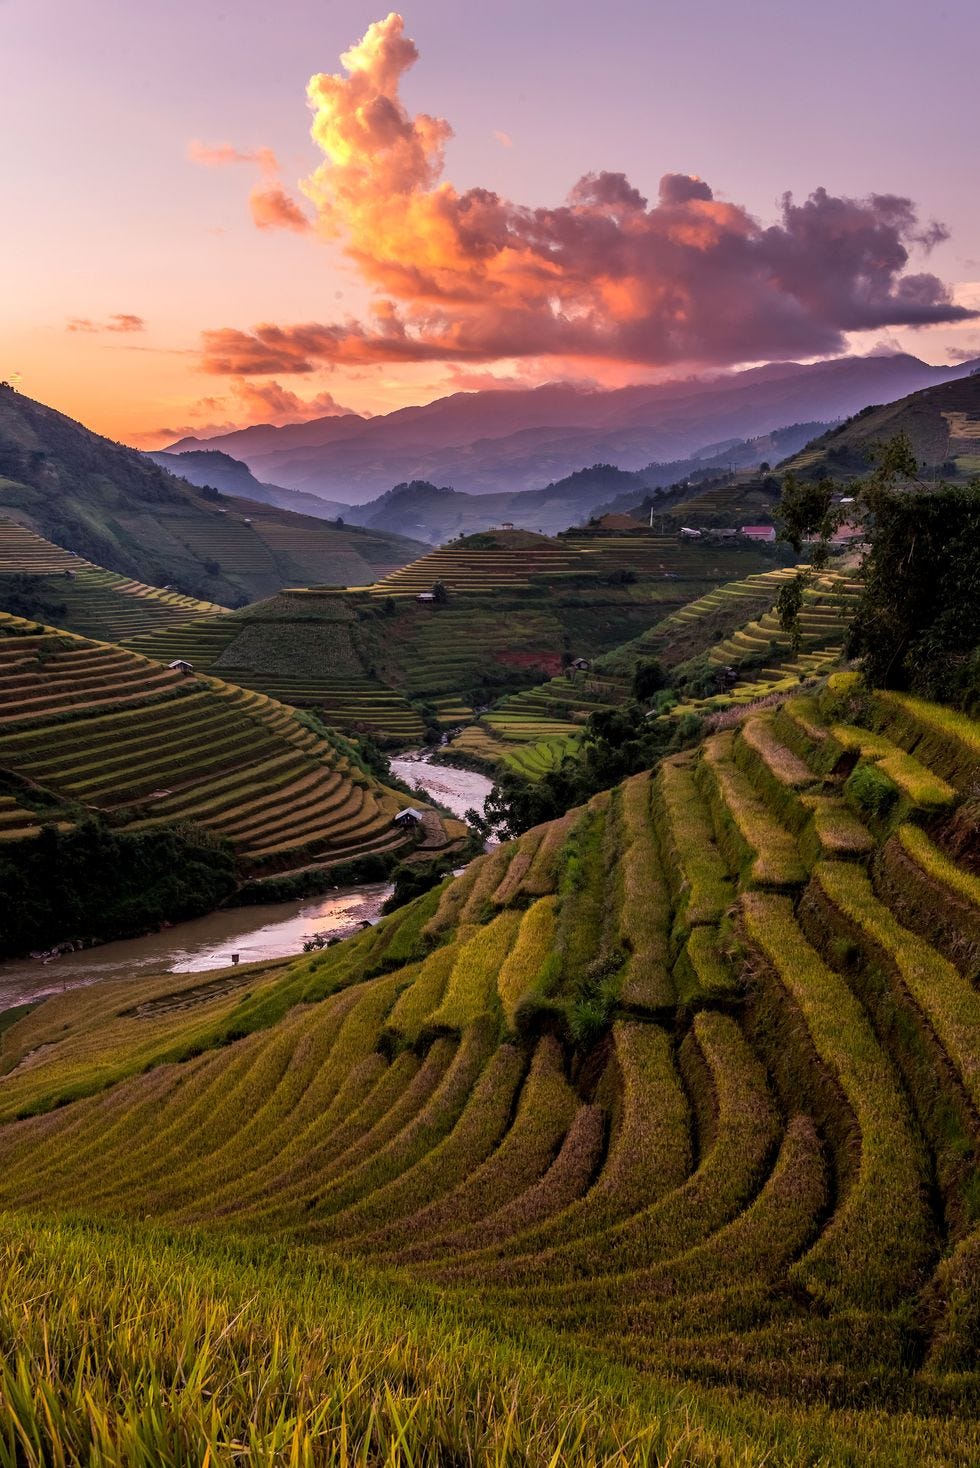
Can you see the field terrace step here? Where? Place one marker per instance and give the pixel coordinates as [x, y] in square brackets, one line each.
[932, 986]
[97, 602]
[755, 843]
[932, 894]
[879, 1244]
[122, 733]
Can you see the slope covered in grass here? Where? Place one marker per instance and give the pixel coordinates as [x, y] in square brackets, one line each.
[682, 1079]
[728, 643]
[517, 607]
[114, 506]
[38, 579]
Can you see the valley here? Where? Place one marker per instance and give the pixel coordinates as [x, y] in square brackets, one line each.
[652, 1127]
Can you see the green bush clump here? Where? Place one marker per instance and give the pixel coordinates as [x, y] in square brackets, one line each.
[871, 791]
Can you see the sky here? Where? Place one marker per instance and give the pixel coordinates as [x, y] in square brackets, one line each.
[198, 236]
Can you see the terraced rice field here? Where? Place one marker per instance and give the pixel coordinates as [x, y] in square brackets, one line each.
[690, 1077]
[519, 561]
[99, 727]
[552, 715]
[97, 603]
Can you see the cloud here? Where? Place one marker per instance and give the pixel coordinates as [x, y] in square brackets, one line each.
[220, 155]
[272, 208]
[248, 403]
[121, 321]
[270, 402]
[472, 277]
[504, 139]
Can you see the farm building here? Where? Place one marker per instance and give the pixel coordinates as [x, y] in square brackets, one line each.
[759, 532]
[410, 816]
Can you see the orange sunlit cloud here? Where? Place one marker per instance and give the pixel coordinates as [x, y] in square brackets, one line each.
[472, 277]
[272, 208]
[248, 402]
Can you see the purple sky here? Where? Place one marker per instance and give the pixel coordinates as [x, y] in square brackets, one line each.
[109, 219]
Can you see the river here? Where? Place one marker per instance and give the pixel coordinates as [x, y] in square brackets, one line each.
[457, 790]
[265, 931]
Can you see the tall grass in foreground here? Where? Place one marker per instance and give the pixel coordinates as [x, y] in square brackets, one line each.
[122, 1348]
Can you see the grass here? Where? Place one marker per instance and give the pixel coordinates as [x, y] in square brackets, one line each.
[172, 1354]
[702, 887]
[471, 990]
[601, 1092]
[945, 998]
[934, 861]
[525, 972]
[922, 789]
[755, 842]
[878, 1246]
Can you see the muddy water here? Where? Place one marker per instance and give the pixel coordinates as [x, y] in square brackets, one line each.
[272, 930]
[458, 790]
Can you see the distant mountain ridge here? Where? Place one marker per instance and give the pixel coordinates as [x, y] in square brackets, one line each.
[513, 439]
[429, 512]
[212, 468]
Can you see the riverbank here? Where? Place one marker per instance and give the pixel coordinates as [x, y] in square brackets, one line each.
[262, 932]
[257, 931]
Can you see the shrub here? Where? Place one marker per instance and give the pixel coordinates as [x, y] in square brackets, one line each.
[871, 790]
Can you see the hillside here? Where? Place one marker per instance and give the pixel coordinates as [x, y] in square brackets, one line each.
[942, 424]
[687, 1079]
[511, 439]
[517, 605]
[93, 728]
[114, 507]
[732, 633]
[437, 514]
[40, 580]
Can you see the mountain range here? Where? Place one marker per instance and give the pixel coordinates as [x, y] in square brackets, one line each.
[514, 439]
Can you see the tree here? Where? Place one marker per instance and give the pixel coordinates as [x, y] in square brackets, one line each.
[918, 621]
[439, 593]
[648, 679]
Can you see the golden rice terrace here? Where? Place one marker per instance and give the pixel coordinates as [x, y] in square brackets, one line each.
[690, 1077]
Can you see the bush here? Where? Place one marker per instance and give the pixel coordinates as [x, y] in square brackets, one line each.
[871, 790]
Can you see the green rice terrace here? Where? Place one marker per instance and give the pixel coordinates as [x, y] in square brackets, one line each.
[87, 726]
[661, 1124]
[377, 660]
[734, 627]
[82, 597]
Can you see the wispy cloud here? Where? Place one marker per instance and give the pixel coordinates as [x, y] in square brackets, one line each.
[272, 207]
[119, 321]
